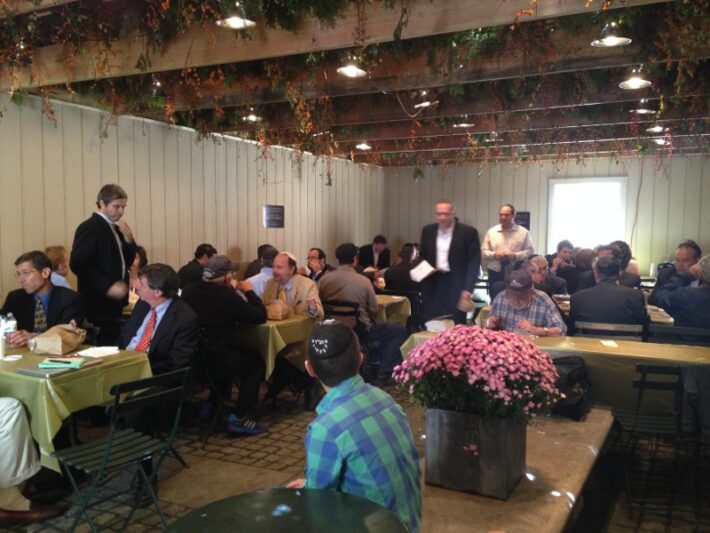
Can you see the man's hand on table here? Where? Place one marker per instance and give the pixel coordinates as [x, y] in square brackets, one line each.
[297, 484]
[18, 339]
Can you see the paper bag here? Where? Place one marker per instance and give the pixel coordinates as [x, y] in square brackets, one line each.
[277, 310]
[58, 340]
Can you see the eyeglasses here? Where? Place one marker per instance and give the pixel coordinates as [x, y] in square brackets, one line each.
[24, 273]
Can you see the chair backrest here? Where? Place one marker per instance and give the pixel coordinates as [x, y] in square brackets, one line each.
[679, 335]
[415, 322]
[338, 309]
[656, 377]
[596, 329]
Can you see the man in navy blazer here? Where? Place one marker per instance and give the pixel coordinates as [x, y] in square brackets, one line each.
[161, 324]
[375, 255]
[59, 304]
[102, 252]
[454, 250]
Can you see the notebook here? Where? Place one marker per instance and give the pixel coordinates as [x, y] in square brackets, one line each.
[54, 372]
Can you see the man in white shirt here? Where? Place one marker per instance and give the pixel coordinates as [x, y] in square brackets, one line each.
[258, 282]
[454, 250]
[504, 245]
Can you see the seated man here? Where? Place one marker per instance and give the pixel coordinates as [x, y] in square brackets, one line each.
[317, 265]
[161, 324]
[562, 258]
[298, 292]
[254, 267]
[20, 462]
[258, 282]
[375, 255]
[608, 302]
[524, 310]
[627, 279]
[687, 254]
[192, 271]
[219, 309]
[689, 305]
[542, 278]
[397, 277]
[60, 265]
[39, 305]
[361, 442]
[346, 284]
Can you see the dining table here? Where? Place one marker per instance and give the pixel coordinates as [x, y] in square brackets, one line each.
[393, 309]
[51, 400]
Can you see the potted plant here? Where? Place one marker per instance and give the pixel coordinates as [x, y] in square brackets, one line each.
[479, 387]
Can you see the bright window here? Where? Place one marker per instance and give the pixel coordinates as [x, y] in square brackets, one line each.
[586, 211]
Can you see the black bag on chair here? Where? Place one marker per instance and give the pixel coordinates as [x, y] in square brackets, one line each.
[574, 384]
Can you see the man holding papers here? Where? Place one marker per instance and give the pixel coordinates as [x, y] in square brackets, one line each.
[454, 250]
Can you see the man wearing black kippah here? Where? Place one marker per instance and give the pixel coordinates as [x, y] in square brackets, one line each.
[360, 443]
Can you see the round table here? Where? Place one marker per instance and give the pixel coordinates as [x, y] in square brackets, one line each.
[289, 510]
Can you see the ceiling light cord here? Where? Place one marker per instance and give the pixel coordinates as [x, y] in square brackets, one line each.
[410, 115]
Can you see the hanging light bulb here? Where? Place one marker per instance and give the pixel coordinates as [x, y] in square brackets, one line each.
[660, 141]
[610, 36]
[156, 86]
[251, 116]
[493, 137]
[635, 80]
[237, 21]
[351, 69]
[643, 108]
[363, 146]
[656, 128]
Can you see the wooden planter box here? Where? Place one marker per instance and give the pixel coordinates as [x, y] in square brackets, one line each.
[498, 465]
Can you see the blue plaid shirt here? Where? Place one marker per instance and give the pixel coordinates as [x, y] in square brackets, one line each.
[361, 443]
[541, 311]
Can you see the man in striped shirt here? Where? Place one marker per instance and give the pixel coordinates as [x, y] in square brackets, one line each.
[360, 443]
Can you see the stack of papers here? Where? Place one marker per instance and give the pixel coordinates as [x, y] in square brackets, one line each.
[99, 351]
[421, 271]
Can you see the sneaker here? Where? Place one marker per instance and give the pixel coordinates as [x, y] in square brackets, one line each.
[243, 426]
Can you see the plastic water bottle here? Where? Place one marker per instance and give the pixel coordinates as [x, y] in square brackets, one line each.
[9, 325]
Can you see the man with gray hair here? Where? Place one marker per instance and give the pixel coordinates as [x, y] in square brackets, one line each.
[689, 305]
[103, 250]
[543, 279]
[608, 301]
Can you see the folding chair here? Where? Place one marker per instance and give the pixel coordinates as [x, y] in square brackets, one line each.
[342, 309]
[679, 335]
[223, 404]
[123, 448]
[632, 332]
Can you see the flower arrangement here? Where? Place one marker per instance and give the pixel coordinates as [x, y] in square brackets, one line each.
[479, 371]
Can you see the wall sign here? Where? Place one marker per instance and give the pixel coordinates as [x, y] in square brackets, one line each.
[273, 216]
[522, 218]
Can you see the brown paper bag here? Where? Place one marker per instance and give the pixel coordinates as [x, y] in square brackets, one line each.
[277, 310]
[58, 340]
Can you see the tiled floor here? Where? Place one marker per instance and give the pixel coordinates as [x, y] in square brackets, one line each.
[228, 466]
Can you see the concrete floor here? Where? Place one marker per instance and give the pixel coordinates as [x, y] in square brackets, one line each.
[227, 466]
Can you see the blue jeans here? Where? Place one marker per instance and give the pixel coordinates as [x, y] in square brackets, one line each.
[389, 337]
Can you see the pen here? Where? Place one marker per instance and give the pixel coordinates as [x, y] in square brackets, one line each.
[59, 361]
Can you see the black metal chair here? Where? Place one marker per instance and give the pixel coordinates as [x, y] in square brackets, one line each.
[343, 310]
[634, 332]
[125, 448]
[678, 335]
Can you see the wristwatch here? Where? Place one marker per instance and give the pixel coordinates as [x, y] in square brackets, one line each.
[546, 330]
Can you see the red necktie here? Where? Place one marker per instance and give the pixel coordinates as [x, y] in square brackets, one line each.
[144, 343]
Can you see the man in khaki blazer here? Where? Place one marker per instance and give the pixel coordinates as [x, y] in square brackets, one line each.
[298, 292]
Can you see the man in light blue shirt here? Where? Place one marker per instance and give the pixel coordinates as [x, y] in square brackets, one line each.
[258, 282]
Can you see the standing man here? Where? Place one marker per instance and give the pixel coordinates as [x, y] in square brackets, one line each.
[454, 250]
[192, 271]
[504, 245]
[375, 255]
[39, 305]
[103, 250]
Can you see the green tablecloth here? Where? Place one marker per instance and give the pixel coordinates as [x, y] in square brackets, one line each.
[393, 309]
[611, 366]
[50, 401]
[272, 337]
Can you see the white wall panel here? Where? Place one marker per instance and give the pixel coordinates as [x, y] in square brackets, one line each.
[182, 191]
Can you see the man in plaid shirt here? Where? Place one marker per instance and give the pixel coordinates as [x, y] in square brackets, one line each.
[524, 310]
[360, 443]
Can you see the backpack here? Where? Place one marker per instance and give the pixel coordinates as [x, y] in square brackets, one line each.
[574, 384]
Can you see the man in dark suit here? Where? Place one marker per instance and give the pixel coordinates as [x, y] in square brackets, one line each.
[39, 305]
[192, 271]
[161, 324]
[687, 254]
[397, 277]
[626, 279]
[103, 250]
[317, 265]
[686, 296]
[608, 302]
[375, 255]
[454, 250]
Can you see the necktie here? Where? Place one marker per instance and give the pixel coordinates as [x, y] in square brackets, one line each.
[144, 343]
[117, 234]
[282, 295]
[40, 324]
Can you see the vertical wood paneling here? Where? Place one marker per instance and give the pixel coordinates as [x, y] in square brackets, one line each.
[141, 203]
[184, 188]
[32, 176]
[10, 192]
[171, 199]
[53, 182]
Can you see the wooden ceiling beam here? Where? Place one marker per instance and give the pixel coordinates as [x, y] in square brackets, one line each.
[23, 7]
[198, 47]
